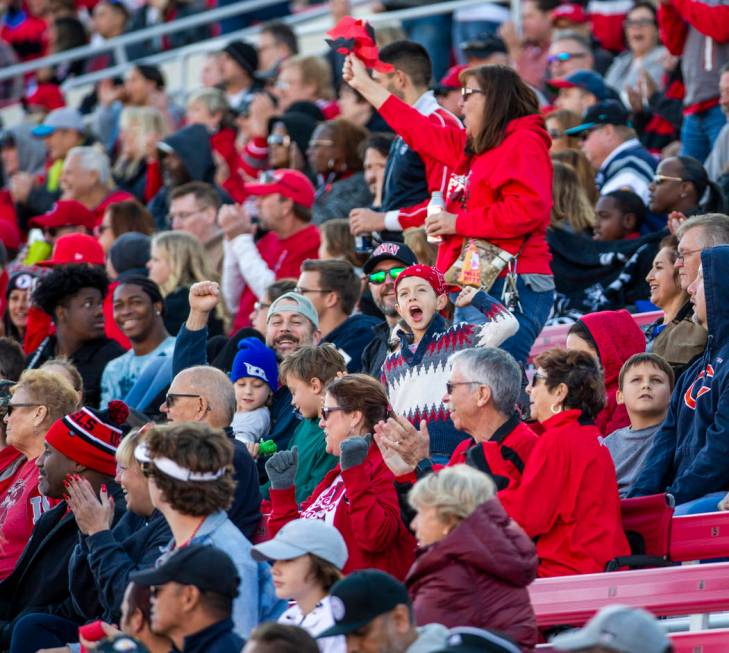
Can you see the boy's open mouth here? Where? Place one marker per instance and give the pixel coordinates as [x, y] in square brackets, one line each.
[416, 313]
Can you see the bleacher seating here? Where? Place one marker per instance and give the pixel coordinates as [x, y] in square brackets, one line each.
[705, 641]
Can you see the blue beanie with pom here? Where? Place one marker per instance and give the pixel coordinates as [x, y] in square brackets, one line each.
[256, 360]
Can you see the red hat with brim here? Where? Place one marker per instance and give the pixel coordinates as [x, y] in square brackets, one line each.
[46, 96]
[65, 213]
[75, 248]
[452, 79]
[291, 184]
[570, 13]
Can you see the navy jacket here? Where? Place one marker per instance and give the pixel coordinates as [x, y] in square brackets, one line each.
[101, 563]
[352, 337]
[690, 453]
[218, 638]
[245, 513]
[406, 182]
[376, 351]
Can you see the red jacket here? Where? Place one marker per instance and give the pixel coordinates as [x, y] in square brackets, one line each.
[477, 576]
[568, 499]
[503, 195]
[284, 258]
[618, 337]
[362, 504]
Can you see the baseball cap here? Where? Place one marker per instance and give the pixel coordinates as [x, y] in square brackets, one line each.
[609, 112]
[617, 628]
[476, 640]
[293, 302]
[451, 81]
[120, 644]
[206, 567]
[569, 13]
[389, 251]
[291, 184]
[45, 96]
[75, 248]
[361, 597]
[64, 118]
[483, 46]
[65, 213]
[302, 536]
[588, 80]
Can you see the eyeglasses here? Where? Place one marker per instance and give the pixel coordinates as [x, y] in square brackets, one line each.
[681, 256]
[537, 377]
[172, 397]
[321, 143]
[467, 91]
[182, 215]
[451, 385]
[303, 291]
[283, 140]
[555, 133]
[640, 22]
[564, 56]
[659, 179]
[379, 277]
[11, 407]
[328, 410]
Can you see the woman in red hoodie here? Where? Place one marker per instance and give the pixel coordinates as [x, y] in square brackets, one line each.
[500, 188]
[568, 496]
[611, 338]
[358, 496]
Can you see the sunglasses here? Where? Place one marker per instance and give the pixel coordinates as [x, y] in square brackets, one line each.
[379, 277]
[11, 407]
[467, 92]
[328, 410]
[564, 56]
[171, 398]
[283, 140]
[451, 385]
[659, 179]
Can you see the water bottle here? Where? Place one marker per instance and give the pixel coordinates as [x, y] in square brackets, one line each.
[363, 244]
[436, 205]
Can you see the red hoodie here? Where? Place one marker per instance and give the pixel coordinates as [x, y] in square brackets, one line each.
[503, 195]
[362, 504]
[568, 499]
[618, 337]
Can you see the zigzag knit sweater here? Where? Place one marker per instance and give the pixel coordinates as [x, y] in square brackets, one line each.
[416, 381]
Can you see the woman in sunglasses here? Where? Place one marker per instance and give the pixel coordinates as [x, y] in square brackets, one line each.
[358, 496]
[501, 183]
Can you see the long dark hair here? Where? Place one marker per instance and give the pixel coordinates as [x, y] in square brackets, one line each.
[507, 98]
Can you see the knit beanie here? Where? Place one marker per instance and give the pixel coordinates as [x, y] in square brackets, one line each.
[129, 254]
[91, 437]
[300, 127]
[256, 360]
[430, 274]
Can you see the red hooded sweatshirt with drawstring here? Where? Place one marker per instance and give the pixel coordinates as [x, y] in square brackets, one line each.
[617, 337]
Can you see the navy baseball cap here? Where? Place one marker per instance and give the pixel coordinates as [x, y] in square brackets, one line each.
[610, 112]
[587, 80]
[390, 251]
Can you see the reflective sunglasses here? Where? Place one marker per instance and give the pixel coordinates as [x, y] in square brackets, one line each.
[659, 179]
[379, 277]
[467, 92]
[283, 140]
[564, 56]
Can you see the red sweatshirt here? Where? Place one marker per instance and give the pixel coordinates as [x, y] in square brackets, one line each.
[618, 337]
[568, 499]
[21, 507]
[503, 195]
[362, 504]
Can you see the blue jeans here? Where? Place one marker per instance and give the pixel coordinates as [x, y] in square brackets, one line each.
[536, 307]
[703, 504]
[434, 34]
[36, 631]
[699, 132]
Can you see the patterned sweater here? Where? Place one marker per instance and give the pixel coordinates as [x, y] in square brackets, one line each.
[416, 381]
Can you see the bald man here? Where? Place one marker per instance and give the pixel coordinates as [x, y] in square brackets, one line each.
[205, 394]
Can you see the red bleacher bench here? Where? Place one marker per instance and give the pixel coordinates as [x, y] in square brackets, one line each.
[699, 537]
[704, 641]
[666, 592]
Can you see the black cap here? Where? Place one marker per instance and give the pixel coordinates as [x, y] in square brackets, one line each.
[476, 640]
[389, 251]
[151, 73]
[206, 567]
[244, 54]
[361, 597]
[484, 45]
[609, 112]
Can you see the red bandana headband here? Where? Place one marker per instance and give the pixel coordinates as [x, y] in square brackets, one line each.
[430, 274]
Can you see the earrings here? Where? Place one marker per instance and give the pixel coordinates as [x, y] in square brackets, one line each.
[559, 409]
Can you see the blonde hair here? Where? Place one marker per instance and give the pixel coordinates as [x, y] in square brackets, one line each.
[455, 492]
[186, 258]
[213, 99]
[316, 71]
[50, 390]
[570, 202]
[125, 451]
[142, 122]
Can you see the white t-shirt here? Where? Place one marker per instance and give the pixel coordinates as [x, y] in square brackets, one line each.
[317, 621]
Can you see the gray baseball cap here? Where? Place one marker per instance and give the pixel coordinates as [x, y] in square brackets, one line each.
[617, 628]
[302, 536]
[64, 118]
[292, 302]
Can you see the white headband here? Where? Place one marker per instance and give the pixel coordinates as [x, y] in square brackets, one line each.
[170, 468]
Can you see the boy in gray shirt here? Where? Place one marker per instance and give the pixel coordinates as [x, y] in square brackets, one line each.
[645, 385]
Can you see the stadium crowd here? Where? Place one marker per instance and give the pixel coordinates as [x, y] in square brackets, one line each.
[268, 374]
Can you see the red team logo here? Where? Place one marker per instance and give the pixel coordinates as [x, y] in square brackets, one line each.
[692, 394]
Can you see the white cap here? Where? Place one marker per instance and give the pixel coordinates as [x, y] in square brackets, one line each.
[302, 536]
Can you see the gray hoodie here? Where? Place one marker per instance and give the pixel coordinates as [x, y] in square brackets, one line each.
[431, 637]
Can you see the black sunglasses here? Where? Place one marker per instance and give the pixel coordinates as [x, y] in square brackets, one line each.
[328, 410]
[172, 397]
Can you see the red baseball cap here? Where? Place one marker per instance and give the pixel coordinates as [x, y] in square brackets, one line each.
[65, 213]
[291, 184]
[571, 13]
[46, 96]
[451, 79]
[75, 248]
